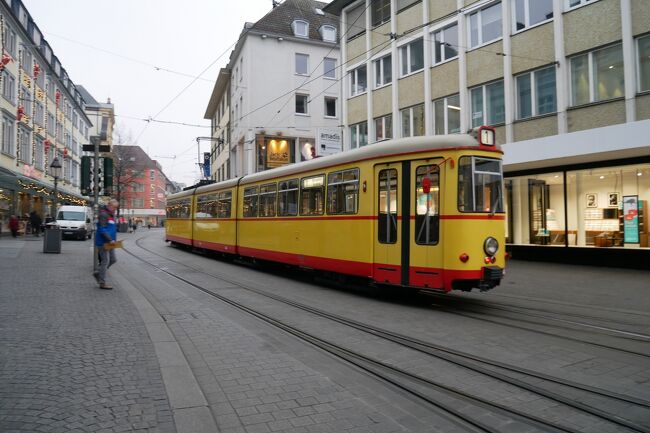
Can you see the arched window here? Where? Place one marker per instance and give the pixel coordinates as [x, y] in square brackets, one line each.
[300, 28]
[328, 33]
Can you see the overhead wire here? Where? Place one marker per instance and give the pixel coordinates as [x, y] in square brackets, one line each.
[131, 59]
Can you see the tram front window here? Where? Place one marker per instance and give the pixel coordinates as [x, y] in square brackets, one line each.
[480, 185]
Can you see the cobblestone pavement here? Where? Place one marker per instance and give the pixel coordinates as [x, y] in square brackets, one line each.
[73, 358]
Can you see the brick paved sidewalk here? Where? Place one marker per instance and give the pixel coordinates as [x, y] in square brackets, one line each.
[73, 358]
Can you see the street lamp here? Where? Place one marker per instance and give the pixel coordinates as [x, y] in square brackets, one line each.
[55, 168]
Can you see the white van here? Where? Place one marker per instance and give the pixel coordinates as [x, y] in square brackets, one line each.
[76, 221]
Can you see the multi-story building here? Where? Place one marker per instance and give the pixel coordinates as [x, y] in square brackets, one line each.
[218, 112]
[42, 115]
[140, 185]
[277, 102]
[566, 84]
[102, 116]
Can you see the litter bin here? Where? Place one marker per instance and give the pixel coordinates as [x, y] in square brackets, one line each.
[123, 227]
[52, 239]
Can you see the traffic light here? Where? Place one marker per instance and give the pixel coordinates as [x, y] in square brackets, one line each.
[86, 175]
[108, 176]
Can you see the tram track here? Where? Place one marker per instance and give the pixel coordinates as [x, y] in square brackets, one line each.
[540, 313]
[477, 364]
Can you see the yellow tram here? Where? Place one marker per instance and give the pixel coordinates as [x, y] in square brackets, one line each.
[421, 212]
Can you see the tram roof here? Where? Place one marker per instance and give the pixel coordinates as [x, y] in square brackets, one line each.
[376, 150]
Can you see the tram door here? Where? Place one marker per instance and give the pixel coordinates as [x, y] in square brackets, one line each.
[425, 245]
[388, 223]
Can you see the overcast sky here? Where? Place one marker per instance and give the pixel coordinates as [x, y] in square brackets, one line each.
[111, 48]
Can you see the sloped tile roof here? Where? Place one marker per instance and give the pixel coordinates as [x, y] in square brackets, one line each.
[278, 20]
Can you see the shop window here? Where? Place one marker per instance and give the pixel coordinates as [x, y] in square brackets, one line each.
[384, 127]
[412, 121]
[427, 199]
[383, 71]
[536, 93]
[268, 196]
[597, 76]
[530, 12]
[312, 195]
[359, 135]
[487, 104]
[387, 209]
[358, 81]
[597, 200]
[288, 198]
[446, 115]
[445, 44]
[356, 21]
[343, 192]
[412, 57]
[380, 11]
[643, 56]
[485, 25]
[250, 202]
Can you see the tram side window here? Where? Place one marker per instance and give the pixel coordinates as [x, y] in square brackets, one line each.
[224, 204]
[427, 199]
[343, 192]
[267, 200]
[480, 183]
[178, 209]
[250, 202]
[206, 206]
[387, 217]
[312, 195]
[288, 198]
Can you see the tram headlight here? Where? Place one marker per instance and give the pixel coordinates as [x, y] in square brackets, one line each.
[491, 246]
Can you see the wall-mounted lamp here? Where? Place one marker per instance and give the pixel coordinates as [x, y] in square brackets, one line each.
[264, 36]
[280, 39]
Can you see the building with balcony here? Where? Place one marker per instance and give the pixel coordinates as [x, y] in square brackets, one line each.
[277, 101]
[566, 84]
[42, 115]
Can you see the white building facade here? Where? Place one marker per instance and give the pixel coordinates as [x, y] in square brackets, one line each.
[283, 92]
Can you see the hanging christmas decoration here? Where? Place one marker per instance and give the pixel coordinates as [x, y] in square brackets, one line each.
[20, 112]
[58, 98]
[37, 70]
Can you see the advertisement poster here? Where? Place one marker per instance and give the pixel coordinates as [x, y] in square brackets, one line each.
[277, 152]
[328, 141]
[631, 219]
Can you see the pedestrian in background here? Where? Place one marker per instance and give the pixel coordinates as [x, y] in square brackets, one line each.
[14, 225]
[106, 235]
[35, 221]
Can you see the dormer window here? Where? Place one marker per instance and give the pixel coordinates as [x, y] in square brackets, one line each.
[300, 28]
[328, 33]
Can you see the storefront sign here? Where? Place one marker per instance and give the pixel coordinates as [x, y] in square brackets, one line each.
[277, 152]
[631, 219]
[328, 141]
